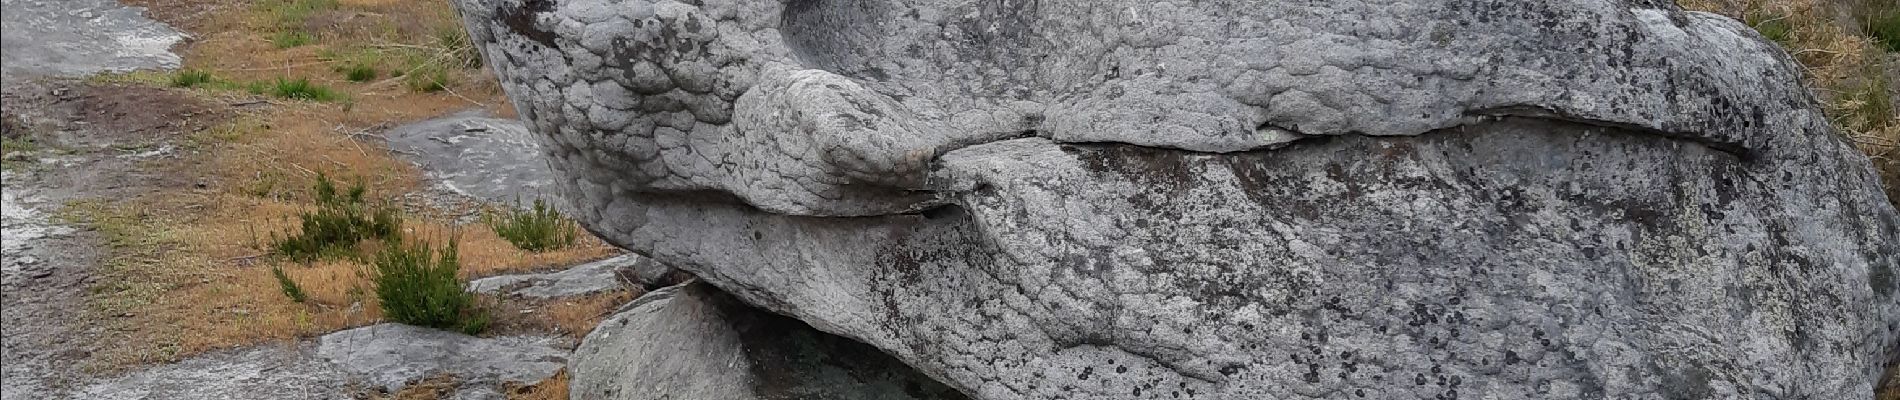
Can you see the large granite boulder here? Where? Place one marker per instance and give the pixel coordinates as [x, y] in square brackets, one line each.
[1233, 198]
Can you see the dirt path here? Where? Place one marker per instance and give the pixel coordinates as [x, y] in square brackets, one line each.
[86, 142]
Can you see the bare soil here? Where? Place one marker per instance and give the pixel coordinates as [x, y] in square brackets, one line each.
[93, 141]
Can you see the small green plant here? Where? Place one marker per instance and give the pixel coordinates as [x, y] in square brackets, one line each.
[537, 229]
[14, 149]
[454, 41]
[190, 78]
[359, 73]
[427, 78]
[20, 144]
[417, 285]
[339, 222]
[290, 287]
[301, 89]
[1772, 26]
[1883, 24]
[1869, 103]
[289, 39]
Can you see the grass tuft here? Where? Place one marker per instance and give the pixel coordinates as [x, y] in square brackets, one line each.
[1773, 26]
[290, 287]
[427, 78]
[300, 89]
[537, 229]
[1883, 25]
[417, 285]
[359, 73]
[289, 39]
[190, 78]
[339, 223]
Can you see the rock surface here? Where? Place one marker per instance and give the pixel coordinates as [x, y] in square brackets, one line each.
[262, 373]
[392, 355]
[693, 342]
[476, 155]
[1233, 198]
[81, 37]
[581, 280]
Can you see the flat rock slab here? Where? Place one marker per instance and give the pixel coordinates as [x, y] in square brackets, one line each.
[81, 37]
[263, 373]
[392, 355]
[585, 279]
[474, 154]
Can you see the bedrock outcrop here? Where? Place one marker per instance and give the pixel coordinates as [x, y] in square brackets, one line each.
[1233, 198]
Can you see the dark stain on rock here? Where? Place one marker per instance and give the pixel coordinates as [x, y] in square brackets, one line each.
[521, 20]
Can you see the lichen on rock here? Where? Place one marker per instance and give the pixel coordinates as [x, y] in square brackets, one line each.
[1237, 198]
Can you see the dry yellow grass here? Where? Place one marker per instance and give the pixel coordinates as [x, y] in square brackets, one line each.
[1847, 71]
[1844, 67]
[432, 388]
[190, 270]
[576, 318]
[555, 388]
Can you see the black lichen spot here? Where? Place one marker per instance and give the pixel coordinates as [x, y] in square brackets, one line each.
[521, 20]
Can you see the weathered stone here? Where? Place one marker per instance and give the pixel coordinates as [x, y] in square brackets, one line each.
[77, 38]
[477, 155]
[1233, 198]
[272, 372]
[580, 280]
[393, 355]
[693, 342]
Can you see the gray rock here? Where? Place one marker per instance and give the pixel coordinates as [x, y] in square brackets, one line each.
[490, 159]
[653, 275]
[393, 355]
[76, 38]
[585, 279]
[693, 342]
[262, 373]
[1233, 198]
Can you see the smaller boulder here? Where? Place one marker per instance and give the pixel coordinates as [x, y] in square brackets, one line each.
[693, 342]
[585, 279]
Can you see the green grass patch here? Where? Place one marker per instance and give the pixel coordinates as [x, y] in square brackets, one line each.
[1869, 103]
[540, 228]
[14, 150]
[22, 144]
[460, 52]
[427, 78]
[290, 287]
[339, 223]
[359, 73]
[190, 78]
[289, 39]
[1883, 24]
[299, 89]
[1773, 26]
[417, 285]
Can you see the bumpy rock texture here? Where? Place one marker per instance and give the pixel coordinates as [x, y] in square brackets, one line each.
[1233, 198]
